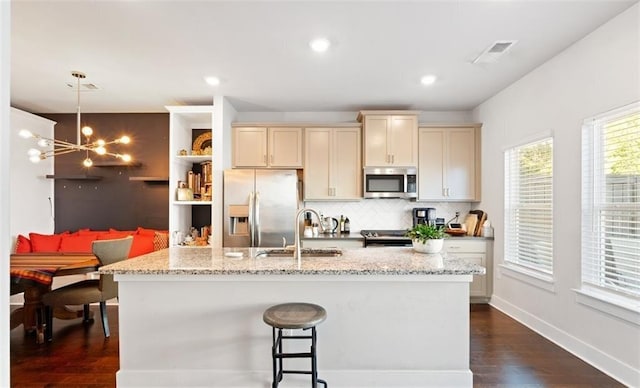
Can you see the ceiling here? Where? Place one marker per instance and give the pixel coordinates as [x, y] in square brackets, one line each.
[143, 55]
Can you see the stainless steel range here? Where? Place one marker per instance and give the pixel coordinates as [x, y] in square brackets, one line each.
[385, 238]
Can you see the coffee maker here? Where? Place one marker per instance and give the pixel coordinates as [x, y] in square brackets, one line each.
[424, 215]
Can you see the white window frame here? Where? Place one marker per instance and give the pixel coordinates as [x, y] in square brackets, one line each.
[594, 290]
[522, 268]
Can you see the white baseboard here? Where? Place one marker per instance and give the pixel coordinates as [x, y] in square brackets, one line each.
[609, 365]
[262, 379]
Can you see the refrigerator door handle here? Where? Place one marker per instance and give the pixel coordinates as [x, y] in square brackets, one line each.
[257, 219]
[251, 219]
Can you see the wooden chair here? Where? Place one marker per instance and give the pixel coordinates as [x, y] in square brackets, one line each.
[91, 290]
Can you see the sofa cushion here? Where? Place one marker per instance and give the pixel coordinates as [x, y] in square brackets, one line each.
[141, 245]
[45, 242]
[23, 244]
[112, 236]
[79, 244]
[145, 231]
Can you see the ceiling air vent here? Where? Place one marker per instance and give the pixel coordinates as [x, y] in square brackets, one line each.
[495, 51]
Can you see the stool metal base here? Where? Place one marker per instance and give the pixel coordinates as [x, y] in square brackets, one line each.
[278, 355]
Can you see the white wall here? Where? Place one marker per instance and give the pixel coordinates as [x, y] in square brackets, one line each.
[29, 187]
[598, 73]
[31, 194]
[5, 64]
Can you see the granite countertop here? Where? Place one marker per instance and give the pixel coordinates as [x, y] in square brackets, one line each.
[335, 236]
[358, 261]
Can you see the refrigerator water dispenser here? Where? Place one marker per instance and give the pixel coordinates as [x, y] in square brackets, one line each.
[238, 220]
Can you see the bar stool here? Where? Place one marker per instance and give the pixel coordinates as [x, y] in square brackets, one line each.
[294, 316]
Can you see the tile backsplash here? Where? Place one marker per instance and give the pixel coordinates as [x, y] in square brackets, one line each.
[385, 213]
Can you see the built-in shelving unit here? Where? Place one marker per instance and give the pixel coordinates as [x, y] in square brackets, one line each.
[79, 177]
[189, 203]
[184, 123]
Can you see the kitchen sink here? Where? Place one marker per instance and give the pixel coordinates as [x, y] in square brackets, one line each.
[305, 252]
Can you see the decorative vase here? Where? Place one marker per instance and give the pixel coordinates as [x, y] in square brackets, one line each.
[429, 246]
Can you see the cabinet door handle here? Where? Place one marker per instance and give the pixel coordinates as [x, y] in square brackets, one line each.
[271, 158]
[264, 159]
[393, 159]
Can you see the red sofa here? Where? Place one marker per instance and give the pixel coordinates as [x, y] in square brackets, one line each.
[144, 241]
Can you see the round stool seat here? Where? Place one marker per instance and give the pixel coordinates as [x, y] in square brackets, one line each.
[294, 315]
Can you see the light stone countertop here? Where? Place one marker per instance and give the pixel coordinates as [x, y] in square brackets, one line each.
[358, 261]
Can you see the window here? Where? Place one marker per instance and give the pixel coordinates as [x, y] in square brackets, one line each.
[611, 205]
[529, 206]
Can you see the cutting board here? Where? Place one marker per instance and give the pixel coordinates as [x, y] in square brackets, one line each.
[481, 217]
[470, 222]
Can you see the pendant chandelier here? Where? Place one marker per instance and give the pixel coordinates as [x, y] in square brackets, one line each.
[61, 147]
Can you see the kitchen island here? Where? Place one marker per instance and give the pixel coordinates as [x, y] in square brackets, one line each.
[193, 317]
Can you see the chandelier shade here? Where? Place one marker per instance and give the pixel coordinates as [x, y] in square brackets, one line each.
[61, 147]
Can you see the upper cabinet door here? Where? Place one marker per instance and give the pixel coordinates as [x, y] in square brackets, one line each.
[402, 140]
[347, 163]
[375, 140]
[317, 163]
[449, 164]
[461, 164]
[431, 164]
[390, 140]
[332, 164]
[285, 147]
[250, 147]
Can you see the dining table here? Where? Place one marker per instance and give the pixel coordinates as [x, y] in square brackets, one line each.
[33, 274]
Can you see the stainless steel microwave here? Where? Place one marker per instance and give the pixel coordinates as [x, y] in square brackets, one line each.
[393, 182]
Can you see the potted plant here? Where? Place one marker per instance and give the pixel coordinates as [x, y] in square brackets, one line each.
[427, 238]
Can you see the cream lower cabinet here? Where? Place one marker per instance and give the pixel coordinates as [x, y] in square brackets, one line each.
[332, 164]
[476, 252]
[449, 164]
[390, 140]
[267, 147]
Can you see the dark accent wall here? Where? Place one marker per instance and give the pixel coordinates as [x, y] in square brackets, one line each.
[114, 201]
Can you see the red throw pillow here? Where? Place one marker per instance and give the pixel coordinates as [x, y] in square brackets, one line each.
[141, 245]
[145, 232]
[45, 242]
[77, 244]
[112, 236]
[23, 245]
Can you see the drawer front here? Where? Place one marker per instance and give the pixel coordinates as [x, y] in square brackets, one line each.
[452, 245]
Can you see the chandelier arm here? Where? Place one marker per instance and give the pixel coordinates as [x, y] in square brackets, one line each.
[57, 152]
[63, 143]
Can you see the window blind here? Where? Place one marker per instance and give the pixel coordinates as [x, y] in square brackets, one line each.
[529, 205]
[611, 202]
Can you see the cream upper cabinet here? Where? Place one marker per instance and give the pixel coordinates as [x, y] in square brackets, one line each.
[390, 140]
[449, 163]
[332, 164]
[267, 147]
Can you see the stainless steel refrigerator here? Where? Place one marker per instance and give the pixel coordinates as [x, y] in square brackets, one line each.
[259, 207]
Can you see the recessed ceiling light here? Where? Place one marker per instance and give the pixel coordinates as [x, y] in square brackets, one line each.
[320, 45]
[428, 79]
[213, 81]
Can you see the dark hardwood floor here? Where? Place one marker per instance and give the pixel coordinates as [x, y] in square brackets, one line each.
[504, 353]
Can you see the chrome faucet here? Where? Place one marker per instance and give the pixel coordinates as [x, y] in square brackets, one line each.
[296, 254]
